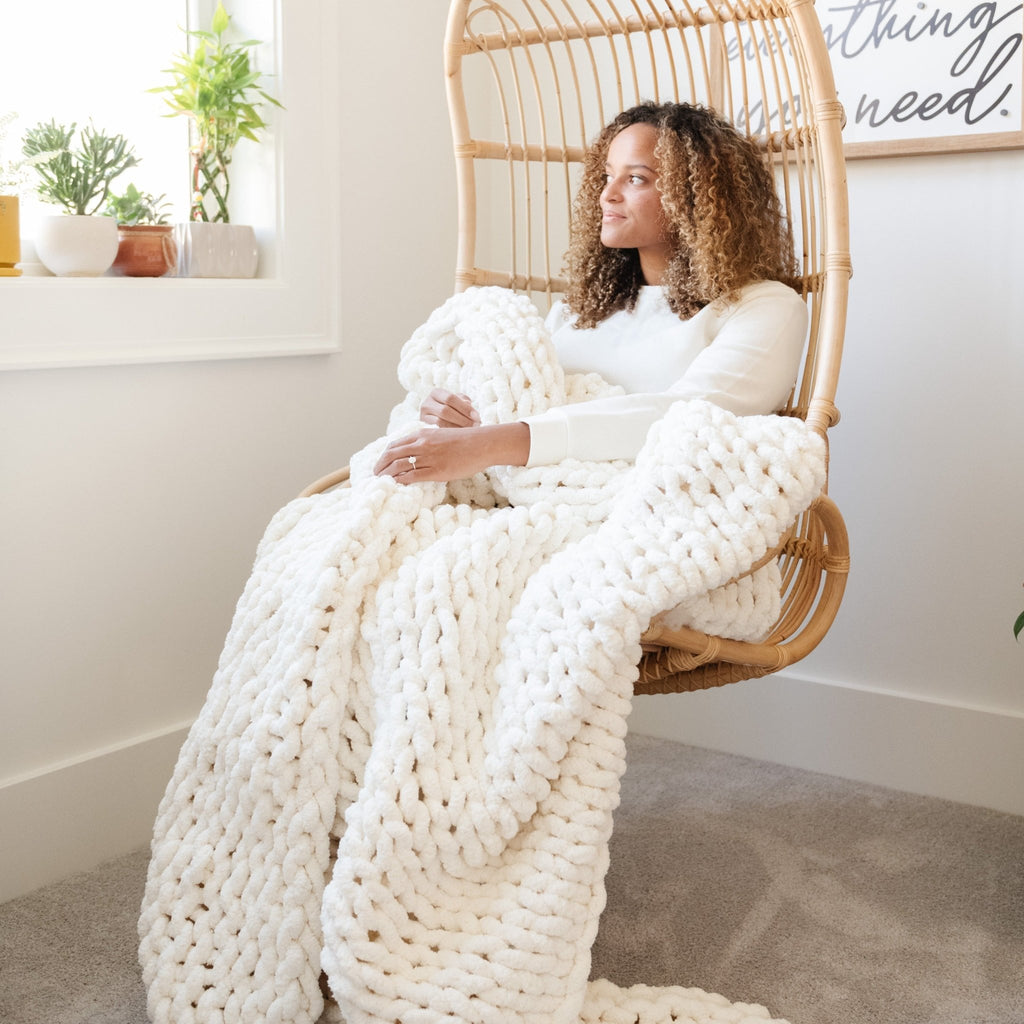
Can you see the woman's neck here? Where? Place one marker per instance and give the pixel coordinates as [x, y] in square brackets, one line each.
[653, 263]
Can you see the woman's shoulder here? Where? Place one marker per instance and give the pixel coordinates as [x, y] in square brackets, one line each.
[764, 298]
[768, 291]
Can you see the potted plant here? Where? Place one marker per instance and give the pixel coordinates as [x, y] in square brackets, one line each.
[13, 180]
[77, 178]
[146, 245]
[216, 88]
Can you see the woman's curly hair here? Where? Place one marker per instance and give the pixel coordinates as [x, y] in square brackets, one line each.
[723, 218]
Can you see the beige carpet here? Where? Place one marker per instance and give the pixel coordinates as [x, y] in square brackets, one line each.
[829, 901]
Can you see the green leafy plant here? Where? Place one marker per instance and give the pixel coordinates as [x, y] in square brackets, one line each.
[133, 207]
[76, 178]
[216, 87]
[1018, 626]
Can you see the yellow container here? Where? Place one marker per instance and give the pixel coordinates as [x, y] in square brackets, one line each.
[10, 237]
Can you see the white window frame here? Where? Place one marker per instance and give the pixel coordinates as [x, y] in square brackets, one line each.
[291, 309]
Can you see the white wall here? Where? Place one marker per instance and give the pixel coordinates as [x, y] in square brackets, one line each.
[920, 684]
[134, 496]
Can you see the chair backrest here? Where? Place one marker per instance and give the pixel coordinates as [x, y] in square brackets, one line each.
[532, 82]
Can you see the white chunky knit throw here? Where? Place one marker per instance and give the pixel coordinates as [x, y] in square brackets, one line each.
[405, 769]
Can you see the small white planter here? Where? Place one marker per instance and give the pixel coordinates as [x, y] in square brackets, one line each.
[208, 249]
[70, 245]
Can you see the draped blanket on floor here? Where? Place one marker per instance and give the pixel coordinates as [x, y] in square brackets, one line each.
[405, 769]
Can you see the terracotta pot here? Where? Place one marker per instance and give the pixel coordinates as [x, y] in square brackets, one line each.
[72, 245]
[145, 250]
[10, 237]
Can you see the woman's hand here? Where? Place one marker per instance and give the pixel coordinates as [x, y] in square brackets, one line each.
[445, 409]
[454, 453]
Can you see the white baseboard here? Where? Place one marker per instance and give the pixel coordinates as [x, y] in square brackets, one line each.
[952, 751]
[72, 816]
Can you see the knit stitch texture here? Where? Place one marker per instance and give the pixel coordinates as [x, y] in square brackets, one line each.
[405, 770]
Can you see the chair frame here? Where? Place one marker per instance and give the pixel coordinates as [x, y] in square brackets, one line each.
[557, 71]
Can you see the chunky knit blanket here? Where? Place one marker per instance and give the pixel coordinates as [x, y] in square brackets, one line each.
[405, 770]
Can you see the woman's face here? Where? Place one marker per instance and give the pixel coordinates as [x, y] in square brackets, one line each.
[631, 214]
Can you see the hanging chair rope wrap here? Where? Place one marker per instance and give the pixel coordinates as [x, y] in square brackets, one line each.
[408, 760]
[531, 83]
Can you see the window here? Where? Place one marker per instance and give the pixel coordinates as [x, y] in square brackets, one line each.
[87, 70]
[285, 186]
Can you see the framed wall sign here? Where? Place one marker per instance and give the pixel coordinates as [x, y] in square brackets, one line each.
[927, 76]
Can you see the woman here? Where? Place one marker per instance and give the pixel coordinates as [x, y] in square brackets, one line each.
[682, 285]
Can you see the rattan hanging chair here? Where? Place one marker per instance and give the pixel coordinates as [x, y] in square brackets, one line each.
[530, 83]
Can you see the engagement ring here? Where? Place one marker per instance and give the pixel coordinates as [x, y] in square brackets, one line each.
[412, 461]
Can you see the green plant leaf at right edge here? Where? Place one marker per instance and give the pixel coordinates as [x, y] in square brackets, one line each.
[1018, 626]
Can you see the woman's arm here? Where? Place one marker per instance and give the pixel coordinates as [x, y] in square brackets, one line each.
[454, 453]
[748, 366]
[458, 448]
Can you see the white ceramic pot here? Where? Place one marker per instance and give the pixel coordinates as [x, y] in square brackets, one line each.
[213, 249]
[69, 245]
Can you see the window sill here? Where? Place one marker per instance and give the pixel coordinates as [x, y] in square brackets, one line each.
[103, 321]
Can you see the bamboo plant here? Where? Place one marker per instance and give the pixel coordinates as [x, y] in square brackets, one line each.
[216, 87]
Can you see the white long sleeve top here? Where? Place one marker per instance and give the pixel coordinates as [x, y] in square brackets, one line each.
[743, 356]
